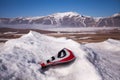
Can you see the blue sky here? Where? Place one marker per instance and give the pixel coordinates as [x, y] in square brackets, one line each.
[27, 8]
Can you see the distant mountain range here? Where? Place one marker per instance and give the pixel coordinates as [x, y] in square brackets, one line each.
[69, 19]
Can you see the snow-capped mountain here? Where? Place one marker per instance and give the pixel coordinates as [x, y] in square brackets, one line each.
[19, 59]
[69, 19]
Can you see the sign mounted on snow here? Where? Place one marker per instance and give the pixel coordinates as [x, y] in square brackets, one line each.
[64, 56]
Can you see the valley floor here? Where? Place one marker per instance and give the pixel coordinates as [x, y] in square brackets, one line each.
[86, 35]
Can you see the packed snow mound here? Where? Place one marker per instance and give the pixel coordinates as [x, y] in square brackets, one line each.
[105, 56]
[20, 57]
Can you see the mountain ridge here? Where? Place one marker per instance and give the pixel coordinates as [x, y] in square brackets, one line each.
[71, 19]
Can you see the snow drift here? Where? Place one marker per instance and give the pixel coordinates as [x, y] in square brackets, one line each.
[19, 59]
[106, 58]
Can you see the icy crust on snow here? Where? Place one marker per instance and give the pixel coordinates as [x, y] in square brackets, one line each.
[106, 58]
[20, 57]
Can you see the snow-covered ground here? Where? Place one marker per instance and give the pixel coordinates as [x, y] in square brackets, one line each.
[84, 37]
[1, 46]
[19, 59]
[106, 58]
[78, 29]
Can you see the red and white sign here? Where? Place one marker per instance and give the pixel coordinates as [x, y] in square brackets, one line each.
[64, 56]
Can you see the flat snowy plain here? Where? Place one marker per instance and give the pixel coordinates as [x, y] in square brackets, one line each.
[77, 29]
[19, 59]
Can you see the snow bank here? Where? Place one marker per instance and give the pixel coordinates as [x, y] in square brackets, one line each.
[20, 57]
[106, 58]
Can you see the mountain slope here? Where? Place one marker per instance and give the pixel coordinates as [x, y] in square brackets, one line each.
[69, 19]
